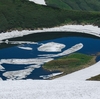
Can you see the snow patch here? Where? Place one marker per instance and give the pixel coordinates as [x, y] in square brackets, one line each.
[41, 2]
[25, 48]
[17, 75]
[51, 75]
[21, 42]
[37, 61]
[66, 52]
[1, 68]
[20, 74]
[18, 42]
[51, 47]
[33, 66]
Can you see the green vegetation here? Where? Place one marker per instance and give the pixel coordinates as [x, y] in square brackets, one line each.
[88, 5]
[95, 78]
[70, 63]
[22, 14]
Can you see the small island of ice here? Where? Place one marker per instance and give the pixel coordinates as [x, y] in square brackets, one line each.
[25, 48]
[51, 47]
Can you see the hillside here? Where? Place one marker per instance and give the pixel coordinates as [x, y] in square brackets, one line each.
[22, 14]
[88, 5]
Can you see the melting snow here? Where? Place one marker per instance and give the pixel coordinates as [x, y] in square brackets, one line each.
[51, 75]
[66, 52]
[88, 29]
[20, 74]
[2, 68]
[41, 2]
[51, 47]
[36, 61]
[83, 74]
[17, 75]
[49, 89]
[21, 42]
[25, 48]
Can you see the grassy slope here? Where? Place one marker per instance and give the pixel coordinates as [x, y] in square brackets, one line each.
[88, 5]
[95, 78]
[70, 63]
[22, 14]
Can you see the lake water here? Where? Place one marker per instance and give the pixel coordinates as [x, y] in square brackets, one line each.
[8, 51]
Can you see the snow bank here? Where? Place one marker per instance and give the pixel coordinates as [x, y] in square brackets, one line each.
[41, 2]
[83, 74]
[51, 47]
[88, 29]
[49, 89]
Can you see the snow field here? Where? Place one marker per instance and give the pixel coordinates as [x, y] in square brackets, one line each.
[49, 89]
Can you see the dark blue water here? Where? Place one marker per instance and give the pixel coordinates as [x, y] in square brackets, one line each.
[91, 46]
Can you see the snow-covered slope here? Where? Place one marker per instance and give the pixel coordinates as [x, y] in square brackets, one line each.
[61, 89]
[88, 29]
[83, 74]
[41, 2]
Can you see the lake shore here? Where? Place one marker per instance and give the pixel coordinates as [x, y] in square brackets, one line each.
[69, 64]
[87, 29]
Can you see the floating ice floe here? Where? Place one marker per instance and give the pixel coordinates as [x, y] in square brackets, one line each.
[25, 48]
[22, 42]
[20, 74]
[37, 61]
[51, 47]
[41, 2]
[1, 68]
[33, 66]
[66, 52]
[17, 75]
[18, 42]
[51, 75]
